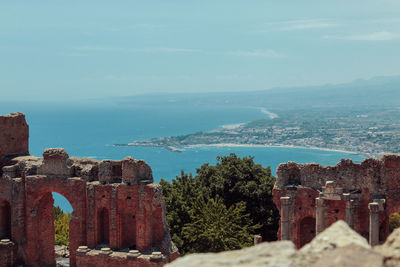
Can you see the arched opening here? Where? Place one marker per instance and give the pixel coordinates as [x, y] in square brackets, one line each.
[5, 220]
[103, 230]
[307, 230]
[129, 230]
[49, 230]
[62, 215]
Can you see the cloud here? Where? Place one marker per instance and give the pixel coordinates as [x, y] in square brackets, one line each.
[387, 20]
[135, 50]
[304, 24]
[243, 53]
[256, 53]
[376, 36]
[166, 50]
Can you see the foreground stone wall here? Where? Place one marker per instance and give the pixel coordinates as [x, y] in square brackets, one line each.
[310, 197]
[338, 245]
[116, 207]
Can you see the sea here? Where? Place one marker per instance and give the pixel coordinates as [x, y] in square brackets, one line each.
[89, 129]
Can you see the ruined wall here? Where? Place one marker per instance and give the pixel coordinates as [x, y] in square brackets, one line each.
[116, 206]
[14, 136]
[351, 184]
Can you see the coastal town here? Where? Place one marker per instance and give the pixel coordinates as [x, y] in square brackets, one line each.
[366, 132]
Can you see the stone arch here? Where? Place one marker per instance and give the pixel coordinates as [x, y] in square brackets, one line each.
[103, 227]
[5, 220]
[40, 223]
[307, 230]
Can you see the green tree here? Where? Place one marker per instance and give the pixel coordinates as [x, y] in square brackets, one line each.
[214, 227]
[179, 196]
[242, 180]
[234, 182]
[61, 226]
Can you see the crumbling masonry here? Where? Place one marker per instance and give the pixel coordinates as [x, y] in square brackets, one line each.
[118, 218]
[311, 197]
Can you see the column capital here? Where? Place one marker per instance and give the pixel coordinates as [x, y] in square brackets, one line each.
[320, 201]
[346, 197]
[286, 200]
[373, 207]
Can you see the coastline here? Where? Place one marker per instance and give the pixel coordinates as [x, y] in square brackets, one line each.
[282, 146]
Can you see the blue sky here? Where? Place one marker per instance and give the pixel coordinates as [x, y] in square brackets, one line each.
[84, 49]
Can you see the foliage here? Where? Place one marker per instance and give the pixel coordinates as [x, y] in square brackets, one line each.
[61, 226]
[394, 221]
[214, 227]
[234, 185]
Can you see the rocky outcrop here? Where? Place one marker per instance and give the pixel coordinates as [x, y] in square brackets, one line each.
[272, 254]
[337, 246]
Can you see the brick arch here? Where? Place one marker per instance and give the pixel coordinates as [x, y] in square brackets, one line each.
[40, 226]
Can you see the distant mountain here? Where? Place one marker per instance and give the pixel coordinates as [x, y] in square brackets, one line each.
[374, 92]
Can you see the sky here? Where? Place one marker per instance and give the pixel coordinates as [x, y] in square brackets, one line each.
[92, 49]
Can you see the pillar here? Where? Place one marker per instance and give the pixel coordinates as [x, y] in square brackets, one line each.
[349, 210]
[285, 205]
[320, 213]
[373, 223]
[257, 239]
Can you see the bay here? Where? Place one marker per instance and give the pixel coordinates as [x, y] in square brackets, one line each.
[89, 130]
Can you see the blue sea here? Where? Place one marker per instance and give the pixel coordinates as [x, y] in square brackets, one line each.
[89, 130]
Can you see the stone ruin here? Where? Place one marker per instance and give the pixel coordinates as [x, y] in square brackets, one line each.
[311, 197]
[118, 214]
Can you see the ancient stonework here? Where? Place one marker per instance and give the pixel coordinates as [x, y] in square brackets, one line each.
[311, 197]
[118, 218]
[14, 136]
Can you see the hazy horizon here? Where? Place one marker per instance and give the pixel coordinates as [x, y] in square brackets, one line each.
[54, 50]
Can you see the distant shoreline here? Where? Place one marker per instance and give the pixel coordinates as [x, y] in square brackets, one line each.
[278, 146]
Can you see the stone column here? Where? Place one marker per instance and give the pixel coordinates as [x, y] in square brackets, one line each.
[320, 213]
[373, 223]
[285, 205]
[349, 210]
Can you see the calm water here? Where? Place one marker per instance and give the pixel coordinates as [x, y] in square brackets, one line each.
[91, 129]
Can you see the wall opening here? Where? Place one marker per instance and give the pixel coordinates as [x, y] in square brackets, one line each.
[48, 226]
[129, 231]
[103, 229]
[5, 220]
[307, 230]
[62, 215]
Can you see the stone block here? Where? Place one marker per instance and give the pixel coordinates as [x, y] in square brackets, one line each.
[134, 171]
[56, 163]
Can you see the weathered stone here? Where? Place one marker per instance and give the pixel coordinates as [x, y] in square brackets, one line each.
[56, 163]
[275, 254]
[349, 256]
[134, 171]
[14, 137]
[391, 249]
[337, 235]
